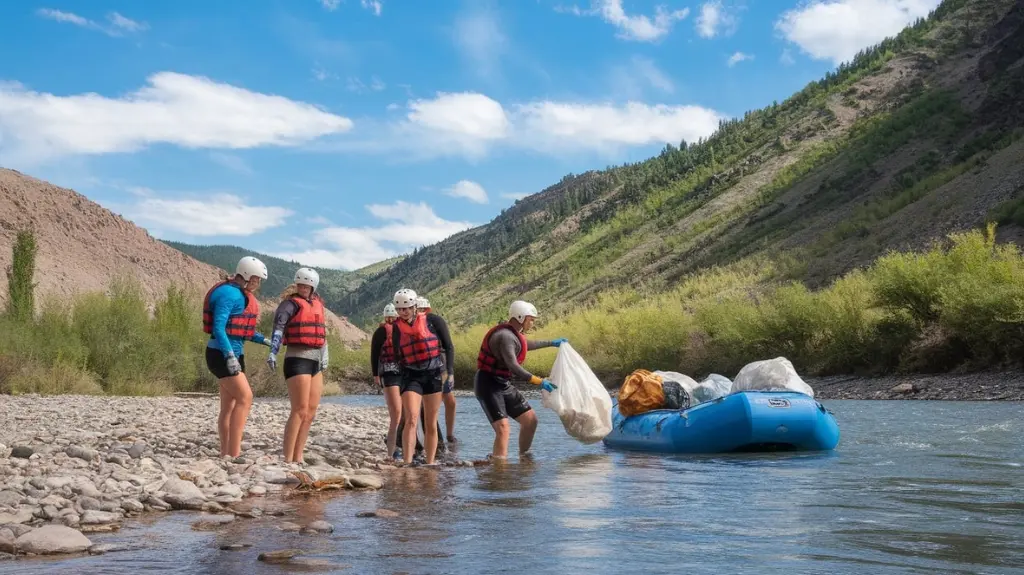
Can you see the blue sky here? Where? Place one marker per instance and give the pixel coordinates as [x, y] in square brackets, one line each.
[342, 132]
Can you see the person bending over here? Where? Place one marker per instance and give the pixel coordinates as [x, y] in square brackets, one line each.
[300, 323]
[230, 314]
[502, 353]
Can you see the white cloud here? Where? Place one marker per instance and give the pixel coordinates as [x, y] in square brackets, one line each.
[330, 5]
[645, 70]
[188, 111]
[118, 24]
[470, 125]
[639, 28]
[837, 29]
[213, 215]
[405, 226]
[375, 6]
[481, 42]
[322, 74]
[470, 190]
[786, 58]
[715, 19]
[739, 57]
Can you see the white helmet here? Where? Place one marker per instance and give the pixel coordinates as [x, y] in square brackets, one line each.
[520, 309]
[250, 266]
[389, 310]
[307, 276]
[405, 298]
[422, 303]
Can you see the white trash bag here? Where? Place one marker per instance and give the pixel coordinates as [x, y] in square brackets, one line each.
[580, 400]
[713, 387]
[770, 375]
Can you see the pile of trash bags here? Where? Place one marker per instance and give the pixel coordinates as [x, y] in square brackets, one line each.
[644, 390]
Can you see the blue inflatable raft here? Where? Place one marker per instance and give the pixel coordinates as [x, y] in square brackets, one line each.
[742, 421]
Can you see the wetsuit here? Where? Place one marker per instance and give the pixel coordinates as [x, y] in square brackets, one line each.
[226, 301]
[390, 372]
[497, 396]
[428, 377]
[299, 359]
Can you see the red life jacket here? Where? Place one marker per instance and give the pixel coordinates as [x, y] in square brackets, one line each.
[488, 362]
[308, 326]
[242, 325]
[417, 344]
[387, 351]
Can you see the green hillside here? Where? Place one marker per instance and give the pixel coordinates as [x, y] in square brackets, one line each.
[334, 284]
[917, 137]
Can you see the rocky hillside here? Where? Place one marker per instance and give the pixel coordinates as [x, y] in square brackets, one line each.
[82, 246]
[916, 137]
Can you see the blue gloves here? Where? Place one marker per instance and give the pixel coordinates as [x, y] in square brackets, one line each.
[547, 386]
[559, 341]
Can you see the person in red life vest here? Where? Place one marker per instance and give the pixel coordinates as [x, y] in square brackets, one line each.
[447, 398]
[230, 314]
[387, 373]
[418, 341]
[502, 353]
[300, 323]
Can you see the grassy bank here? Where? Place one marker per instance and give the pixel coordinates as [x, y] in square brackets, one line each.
[114, 343]
[958, 305]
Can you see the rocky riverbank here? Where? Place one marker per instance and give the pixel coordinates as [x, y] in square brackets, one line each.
[978, 386]
[75, 465]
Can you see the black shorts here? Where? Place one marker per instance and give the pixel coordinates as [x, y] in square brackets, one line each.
[423, 382]
[391, 380]
[300, 366]
[498, 398]
[218, 364]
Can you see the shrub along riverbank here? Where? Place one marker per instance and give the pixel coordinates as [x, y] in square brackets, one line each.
[958, 305]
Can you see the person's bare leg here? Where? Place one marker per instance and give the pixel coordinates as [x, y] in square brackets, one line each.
[501, 431]
[298, 396]
[227, 404]
[410, 404]
[449, 414]
[527, 427]
[316, 389]
[432, 408]
[238, 387]
[393, 398]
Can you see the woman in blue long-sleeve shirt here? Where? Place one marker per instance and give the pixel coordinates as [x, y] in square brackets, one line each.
[230, 314]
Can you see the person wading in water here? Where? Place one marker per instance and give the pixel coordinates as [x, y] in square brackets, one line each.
[230, 314]
[300, 323]
[388, 374]
[502, 353]
[418, 342]
[447, 397]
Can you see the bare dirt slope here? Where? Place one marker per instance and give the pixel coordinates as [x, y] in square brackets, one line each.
[82, 246]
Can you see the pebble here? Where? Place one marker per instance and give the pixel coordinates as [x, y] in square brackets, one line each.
[378, 513]
[82, 464]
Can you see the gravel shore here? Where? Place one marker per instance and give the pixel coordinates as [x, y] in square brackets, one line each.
[74, 465]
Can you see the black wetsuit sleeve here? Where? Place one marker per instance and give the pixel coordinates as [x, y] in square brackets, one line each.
[538, 344]
[285, 311]
[376, 343]
[441, 329]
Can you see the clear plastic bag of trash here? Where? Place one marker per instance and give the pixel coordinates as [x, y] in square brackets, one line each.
[770, 375]
[713, 387]
[581, 402]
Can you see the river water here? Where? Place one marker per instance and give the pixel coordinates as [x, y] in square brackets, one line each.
[913, 487]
